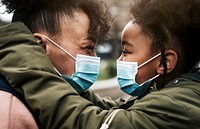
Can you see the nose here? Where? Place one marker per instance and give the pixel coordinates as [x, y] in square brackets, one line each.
[95, 54]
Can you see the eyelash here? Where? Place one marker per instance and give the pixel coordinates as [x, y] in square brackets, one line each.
[124, 52]
[89, 49]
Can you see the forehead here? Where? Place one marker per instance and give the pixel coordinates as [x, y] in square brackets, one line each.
[78, 24]
[132, 29]
[132, 33]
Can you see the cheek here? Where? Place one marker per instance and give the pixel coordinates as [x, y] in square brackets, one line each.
[146, 72]
[131, 58]
[74, 50]
[69, 68]
[142, 75]
[52, 54]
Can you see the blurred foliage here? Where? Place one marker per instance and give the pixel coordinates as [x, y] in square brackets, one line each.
[107, 69]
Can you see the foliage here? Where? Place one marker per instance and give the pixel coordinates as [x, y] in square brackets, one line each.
[107, 69]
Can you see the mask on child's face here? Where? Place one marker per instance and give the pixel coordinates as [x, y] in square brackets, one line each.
[126, 75]
[87, 70]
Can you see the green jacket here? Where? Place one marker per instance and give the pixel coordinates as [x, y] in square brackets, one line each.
[27, 68]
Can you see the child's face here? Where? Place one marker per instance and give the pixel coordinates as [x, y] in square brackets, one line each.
[136, 47]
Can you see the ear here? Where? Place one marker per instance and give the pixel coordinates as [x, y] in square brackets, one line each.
[171, 61]
[41, 40]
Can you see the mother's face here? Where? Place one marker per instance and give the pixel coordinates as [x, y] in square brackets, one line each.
[74, 39]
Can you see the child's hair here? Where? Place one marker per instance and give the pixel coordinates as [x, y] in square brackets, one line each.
[172, 24]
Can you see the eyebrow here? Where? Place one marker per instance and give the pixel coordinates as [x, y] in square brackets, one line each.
[93, 43]
[92, 39]
[127, 43]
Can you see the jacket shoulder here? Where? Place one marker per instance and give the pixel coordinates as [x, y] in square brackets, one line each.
[177, 105]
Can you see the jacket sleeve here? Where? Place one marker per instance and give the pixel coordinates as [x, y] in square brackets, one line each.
[26, 67]
[103, 102]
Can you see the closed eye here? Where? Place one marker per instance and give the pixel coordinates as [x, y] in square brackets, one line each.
[90, 47]
[124, 51]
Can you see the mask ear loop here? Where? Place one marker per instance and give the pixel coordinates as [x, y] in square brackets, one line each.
[62, 50]
[149, 60]
[57, 72]
[60, 47]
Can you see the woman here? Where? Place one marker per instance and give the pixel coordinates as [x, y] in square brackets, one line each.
[158, 68]
[75, 25]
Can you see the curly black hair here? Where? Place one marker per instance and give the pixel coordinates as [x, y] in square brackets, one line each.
[45, 15]
[171, 24]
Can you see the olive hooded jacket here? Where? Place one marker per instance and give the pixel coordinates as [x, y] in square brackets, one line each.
[58, 106]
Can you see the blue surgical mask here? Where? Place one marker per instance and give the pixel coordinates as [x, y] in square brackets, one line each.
[87, 70]
[126, 75]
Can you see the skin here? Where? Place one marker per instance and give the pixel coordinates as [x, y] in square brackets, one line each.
[136, 48]
[74, 38]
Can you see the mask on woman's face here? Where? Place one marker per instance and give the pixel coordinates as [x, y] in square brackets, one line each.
[126, 74]
[87, 70]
